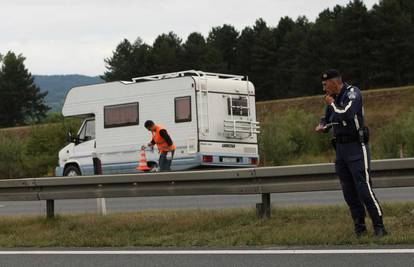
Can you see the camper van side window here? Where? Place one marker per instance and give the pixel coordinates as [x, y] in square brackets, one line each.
[88, 131]
[238, 106]
[121, 115]
[182, 109]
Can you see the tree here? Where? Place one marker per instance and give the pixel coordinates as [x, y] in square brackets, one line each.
[393, 43]
[194, 52]
[264, 60]
[129, 61]
[20, 99]
[244, 54]
[166, 53]
[293, 61]
[319, 50]
[224, 41]
[142, 61]
[119, 65]
[352, 43]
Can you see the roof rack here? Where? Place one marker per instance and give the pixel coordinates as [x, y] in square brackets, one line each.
[187, 73]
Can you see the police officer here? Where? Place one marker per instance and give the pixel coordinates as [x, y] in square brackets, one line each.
[165, 145]
[345, 114]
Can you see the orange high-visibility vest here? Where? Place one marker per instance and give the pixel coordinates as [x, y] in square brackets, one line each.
[162, 145]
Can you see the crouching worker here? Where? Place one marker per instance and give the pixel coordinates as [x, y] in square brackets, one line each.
[165, 145]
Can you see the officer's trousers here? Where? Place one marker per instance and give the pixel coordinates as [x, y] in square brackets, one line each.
[353, 168]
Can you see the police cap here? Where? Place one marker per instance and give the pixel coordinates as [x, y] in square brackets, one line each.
[329, 74]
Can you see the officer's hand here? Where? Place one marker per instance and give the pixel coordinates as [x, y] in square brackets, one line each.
[320, 128]
[329, 100]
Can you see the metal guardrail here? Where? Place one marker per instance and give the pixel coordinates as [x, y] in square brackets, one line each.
[264, 180]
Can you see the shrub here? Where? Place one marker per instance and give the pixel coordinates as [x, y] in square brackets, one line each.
[43, 145]
[396, 139]
[11, 156]
[36, 155]
[289, 135]
[53, 117]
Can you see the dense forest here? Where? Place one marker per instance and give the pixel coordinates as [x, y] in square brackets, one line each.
[372, 48]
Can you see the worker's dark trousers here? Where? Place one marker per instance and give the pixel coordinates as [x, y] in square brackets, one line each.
[353, 166]
[164, 162]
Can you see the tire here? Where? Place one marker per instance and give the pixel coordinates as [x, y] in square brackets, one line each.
[72, 171]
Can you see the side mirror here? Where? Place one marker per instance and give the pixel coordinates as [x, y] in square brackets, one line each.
[72, 139]
[69, 137]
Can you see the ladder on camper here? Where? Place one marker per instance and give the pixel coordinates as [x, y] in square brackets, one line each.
[241, 128]
[203, 102]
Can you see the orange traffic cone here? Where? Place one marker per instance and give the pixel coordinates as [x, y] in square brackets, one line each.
[142, 166]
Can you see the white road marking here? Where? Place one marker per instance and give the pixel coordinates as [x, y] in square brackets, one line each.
[210, 252]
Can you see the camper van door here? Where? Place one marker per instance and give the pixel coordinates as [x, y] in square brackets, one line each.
[82, 152]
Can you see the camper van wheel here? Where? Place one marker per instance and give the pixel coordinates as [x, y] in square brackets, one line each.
[72, 171]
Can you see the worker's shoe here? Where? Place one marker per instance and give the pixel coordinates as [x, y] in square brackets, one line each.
[380, 231]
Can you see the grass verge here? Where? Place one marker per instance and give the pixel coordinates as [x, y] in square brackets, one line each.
[293, 226]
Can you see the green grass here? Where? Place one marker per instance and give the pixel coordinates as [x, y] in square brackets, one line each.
[293, 226]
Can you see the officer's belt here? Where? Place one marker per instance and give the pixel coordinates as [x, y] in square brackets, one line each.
[346, 139]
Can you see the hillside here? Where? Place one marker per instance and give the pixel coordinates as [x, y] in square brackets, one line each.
[59, 85]
[381, 105]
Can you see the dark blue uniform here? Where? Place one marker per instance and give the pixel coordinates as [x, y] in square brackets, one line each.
[346, 117]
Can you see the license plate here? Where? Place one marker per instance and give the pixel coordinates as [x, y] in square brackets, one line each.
[230, 160]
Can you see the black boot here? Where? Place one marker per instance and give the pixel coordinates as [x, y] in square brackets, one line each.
[380, 231]
[360, 230]
[359, 227]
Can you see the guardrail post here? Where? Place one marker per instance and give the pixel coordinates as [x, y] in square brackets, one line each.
[101, 205]
[50, 208]
[263, 210]
[97, 169]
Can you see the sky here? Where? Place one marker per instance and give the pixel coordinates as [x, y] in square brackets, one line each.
[74, 36]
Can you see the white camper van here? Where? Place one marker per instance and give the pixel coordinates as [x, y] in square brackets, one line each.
[211, 118]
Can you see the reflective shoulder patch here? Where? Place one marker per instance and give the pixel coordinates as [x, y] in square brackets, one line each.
[351, 95]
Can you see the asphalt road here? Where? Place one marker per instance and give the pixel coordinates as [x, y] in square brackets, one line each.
[197, 202]
[215, 258]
